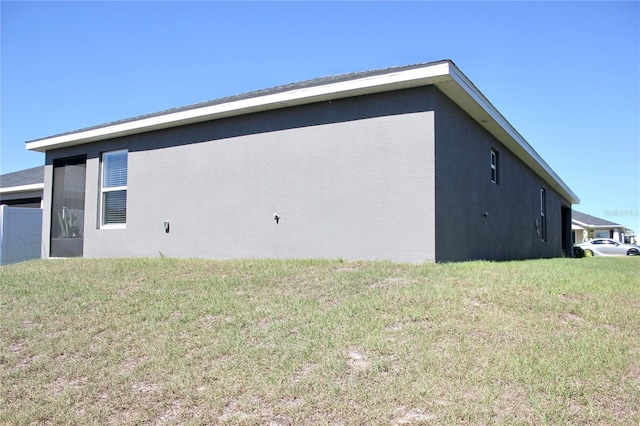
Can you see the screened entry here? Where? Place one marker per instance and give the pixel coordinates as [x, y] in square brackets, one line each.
[67, 207]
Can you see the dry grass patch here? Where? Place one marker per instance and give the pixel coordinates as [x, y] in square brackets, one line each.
[164, 342]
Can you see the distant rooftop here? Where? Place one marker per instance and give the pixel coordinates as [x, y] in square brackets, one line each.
[587, 219]
[32, 176]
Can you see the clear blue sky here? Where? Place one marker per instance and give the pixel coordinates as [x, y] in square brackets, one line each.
[566, 75]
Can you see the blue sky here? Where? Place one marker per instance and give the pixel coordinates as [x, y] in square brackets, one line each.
[566, 75]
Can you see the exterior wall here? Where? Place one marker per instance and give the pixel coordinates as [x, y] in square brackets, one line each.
[351, 178]
[464, 192]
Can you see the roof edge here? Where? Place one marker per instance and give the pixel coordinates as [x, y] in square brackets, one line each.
[593, 226]
[443, 74]
[22, 188]
[510, 133]
[308, 92]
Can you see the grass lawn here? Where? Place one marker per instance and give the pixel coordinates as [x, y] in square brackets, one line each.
[165, 341]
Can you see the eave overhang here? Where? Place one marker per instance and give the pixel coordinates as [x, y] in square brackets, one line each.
[444, 75]
[22, 188]
[583, 225]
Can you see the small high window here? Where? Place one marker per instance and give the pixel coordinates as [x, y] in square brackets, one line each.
[114, 189]
[494, 166]
[543, 215]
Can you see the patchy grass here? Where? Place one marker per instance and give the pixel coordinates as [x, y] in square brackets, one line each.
[320, 342]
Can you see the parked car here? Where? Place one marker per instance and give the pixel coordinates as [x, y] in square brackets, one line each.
[606, 247]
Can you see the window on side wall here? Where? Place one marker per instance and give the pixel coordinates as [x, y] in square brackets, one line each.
[494, 166]
[543, 215]
[113, 189]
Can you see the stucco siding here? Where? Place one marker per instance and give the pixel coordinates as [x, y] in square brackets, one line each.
[352, 178]
[402, 175]
[479, 219]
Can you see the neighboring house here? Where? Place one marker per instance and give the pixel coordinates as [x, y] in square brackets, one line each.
[585, 227]
[22, 188]
[409, 163]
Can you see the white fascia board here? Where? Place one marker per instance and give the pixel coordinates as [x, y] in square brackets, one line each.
[22, 188]
[444, 75]
[395, 80]
[586, 225]
[617, 226]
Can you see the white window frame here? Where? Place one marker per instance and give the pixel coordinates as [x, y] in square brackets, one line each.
[494, 166]
[104, 190]
[543, 214]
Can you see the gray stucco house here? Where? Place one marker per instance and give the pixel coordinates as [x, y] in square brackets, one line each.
[410, 164]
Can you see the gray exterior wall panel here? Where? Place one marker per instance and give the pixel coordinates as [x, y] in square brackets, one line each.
[336, 187]
[351, 178]
[464, 192]
[402, 175]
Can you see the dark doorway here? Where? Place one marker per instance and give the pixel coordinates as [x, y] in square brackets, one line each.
[67, 207]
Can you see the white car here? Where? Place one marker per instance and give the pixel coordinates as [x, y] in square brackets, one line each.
[608, 247]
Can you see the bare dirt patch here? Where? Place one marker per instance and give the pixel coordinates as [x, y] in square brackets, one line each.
[293, 402]
[406, 416]
[209, 320]
[569, 318]
[16, 347]
[232, 411]
[357, 360]
[264, 324]
[474, 302]
[145, 387]
[280, 421]
[421, 323]
[129, 365]
[24, 362]
[173, 414]
[62, 384]
[30, 323]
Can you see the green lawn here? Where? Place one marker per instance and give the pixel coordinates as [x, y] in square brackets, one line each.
[164, 341]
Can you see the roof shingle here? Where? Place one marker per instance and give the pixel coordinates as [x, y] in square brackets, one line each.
[592, 220]
[23, 177]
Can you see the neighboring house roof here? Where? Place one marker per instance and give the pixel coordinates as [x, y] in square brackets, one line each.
[442, 74]
[587, 220]
[22, 180]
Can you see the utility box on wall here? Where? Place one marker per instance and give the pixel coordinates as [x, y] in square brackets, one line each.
[20, 234]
